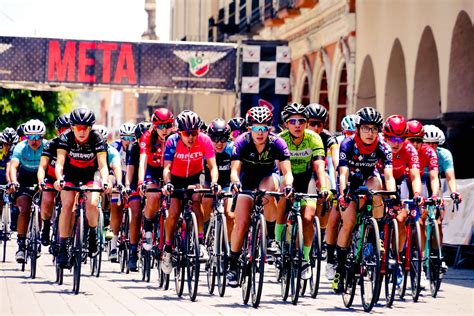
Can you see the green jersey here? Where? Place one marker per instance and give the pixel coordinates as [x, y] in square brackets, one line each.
[302, 155]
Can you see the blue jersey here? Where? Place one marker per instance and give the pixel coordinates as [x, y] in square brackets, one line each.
[113, 157]
[28, 158]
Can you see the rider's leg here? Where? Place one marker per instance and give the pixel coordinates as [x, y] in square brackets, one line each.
[270, 183]
[92, 215]
[309, 212]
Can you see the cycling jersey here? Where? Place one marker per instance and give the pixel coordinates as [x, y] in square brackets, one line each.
[328, 139]
[113, 157]
[406, 158]
[223, 160]
[445, 160]
[257, 166]
[4, 159]
[153, 147]
[133, 159]
[51, 151]
[117, 144]
[362, 166]
[428, 159]
[29, 160]
[186, 161]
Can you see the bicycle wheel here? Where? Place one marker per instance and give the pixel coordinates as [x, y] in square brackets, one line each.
[416, 260]
[100, 244]
[192, 256]
[434, 261]
[178, 265]
[211, 263]
[391, 264]
[296, 259]
[350, 280]
[77, 251]
[245, 274]
[32, 248]
[370, 265]
[285, 264]
[145, 260]
[5, 233]
[315, 259]
[222, 255]
[259, 255]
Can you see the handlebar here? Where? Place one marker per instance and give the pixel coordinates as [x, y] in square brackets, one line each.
[82, 188]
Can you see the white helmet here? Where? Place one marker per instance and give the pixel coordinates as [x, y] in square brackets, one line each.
[442, 138]
[127, 129]
[431, 134]
[34, 127]
[102, 130]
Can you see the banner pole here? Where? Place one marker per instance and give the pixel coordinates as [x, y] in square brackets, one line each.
[236, 111]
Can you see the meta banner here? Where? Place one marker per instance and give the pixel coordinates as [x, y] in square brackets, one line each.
[73, 63]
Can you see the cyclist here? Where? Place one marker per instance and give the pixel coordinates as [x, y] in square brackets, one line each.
[46, 176]
[257, 156]
[219, 132]
[307, 157]
[357, 166]
[81, 151]
[134, 200]
[183, 165]
[150, 168]
[348, 125]
[127, 136]
[24, 166]
[7, 138]
[237, 126]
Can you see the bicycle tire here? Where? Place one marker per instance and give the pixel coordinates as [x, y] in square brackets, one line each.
[259, 251]
[32, 248]
[5, 233]
[370, 265]
[59, 275]
[434, 261]
[416, 260]
[350, 280]
[77, 251]
[100, 238]
[179, 266]
[222, 255]
[284, 267]
[245, 274]
[315, 259]
[211, 263]
[392, 264]
[296, 260]
[192, 257]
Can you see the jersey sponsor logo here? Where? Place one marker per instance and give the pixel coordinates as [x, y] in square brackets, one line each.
[301, 153]
[81, 156]
[342, 155]
[192, 156]
[224, 168]
[199, 61]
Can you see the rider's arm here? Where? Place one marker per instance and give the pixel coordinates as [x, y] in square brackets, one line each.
[285, 167]
[60, 159]
[212, 165]
[44, 162]
[451, 180]
[167, 171]
[129, 175]
[319, 166]
[14, 164]
[235, 166]
[415, 180]
[142, 168]
[335, 156]
[390, 183]
[7, 170]
[103, 170]
[343, 178]
[434, 181]
[117, 170]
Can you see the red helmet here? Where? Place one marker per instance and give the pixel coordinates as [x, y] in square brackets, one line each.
[414, 129]
[162, 116]
[395, 125]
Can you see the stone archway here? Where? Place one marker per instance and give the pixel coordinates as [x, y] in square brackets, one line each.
[366, 93]
[427, 96]
[396, 84]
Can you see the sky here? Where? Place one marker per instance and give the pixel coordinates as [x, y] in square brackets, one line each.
[114, 20]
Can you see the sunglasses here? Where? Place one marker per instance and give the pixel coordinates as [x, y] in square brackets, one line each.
[163, 126]
[219, 139]
[299, 121]
[257, 129]
[416, 139]
[80, 128]
[34, 137]
[366, 129]
[315, 123]
[393, 139]
[189, 133]
[128, 138]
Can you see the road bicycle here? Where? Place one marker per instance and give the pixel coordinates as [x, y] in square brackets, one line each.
[124, 238]
[96, 260]
[5, 232]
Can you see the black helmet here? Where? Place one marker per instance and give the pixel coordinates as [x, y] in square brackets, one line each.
[259, 115]
[293, 109]
[237, 124]
[9, 136]
[316, 111]
[20, 130]
[203, 127]
[62, 121]
[369, 115]
[82, 116]
[141, 128]
[218, 127]
[188, 120]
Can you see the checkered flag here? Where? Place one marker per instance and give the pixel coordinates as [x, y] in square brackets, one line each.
[266, 67]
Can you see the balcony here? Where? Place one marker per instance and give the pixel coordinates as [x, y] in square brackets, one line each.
[286, 9]
[269, 14]
[305, 4]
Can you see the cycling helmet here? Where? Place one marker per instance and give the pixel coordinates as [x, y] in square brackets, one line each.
[348, 123]
[141, 128]
[432, 134]
[82, 116]
[218, 127]
[20, 130]
[316, 111]
[62, 121]
[442, 138]
[34, 127]
[203, 127]
[259, 115]
[237, 124]
[102, 130]
[415, 129]
[162, 116]
[369, 115]
[293, 109]
[9, 136]
[127, 129]
[188, 120]
[395, 125]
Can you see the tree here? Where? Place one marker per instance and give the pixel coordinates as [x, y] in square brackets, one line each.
[19, 106]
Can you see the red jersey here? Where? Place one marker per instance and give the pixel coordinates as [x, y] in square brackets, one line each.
[406, 158]
[428, 158]
[153, 147]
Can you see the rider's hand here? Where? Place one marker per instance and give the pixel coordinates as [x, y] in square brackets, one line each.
[235, 187]
[289, 190]
[128, 191]
[13, 186]
[418, 200]
[326, 194]
[42, 185]
[59, 185]
[343, 201]
[106, 187]
[120, 188]
[457, 197]
[141, 188]
[215, 188]
[168, 189]
[437, 200]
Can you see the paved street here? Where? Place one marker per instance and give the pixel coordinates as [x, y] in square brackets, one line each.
[119, 294]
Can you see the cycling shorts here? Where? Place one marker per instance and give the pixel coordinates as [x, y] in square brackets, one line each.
[253, 184]
[153, 174]
[183, 183]
[76, 175]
